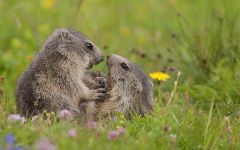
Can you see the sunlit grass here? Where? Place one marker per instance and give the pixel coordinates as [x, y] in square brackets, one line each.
[198, 38]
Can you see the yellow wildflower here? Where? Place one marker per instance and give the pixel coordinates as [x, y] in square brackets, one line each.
[159, 76]
[121, 122]
[47, 4]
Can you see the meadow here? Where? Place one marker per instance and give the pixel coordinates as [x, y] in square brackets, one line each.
[196, 42]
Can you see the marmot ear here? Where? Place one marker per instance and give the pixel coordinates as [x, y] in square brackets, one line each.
[66, 35]
[138, 86]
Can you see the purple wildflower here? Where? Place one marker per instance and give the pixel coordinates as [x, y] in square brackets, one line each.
[65, 114]
[113, 135]
[121, 130]
[18, 148]
[10, 139]
[14, 118]
[72, 133]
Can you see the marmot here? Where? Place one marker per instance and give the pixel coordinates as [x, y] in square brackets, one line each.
[129, 91]
[54, 79]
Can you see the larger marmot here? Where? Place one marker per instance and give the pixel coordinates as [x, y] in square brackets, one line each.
[54, 80]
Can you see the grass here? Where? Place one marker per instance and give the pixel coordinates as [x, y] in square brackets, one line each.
[200, 38]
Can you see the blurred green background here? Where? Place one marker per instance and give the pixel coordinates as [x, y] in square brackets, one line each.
[201, 38]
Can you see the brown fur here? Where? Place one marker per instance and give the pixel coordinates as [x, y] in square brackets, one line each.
[54, 80]
[129, 91]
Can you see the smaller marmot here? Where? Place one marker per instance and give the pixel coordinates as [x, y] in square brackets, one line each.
[54, 80]
[129, 91]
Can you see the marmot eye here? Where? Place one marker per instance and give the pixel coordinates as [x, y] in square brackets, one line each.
[124, 66]
[89, 45]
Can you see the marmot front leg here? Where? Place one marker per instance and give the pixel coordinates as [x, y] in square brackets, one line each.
[96, 83]
[95, 80]
[95, 86]
[92, 95]
[101, 82]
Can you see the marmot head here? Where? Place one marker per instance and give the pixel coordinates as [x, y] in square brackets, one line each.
[73, 45]
[128, 83]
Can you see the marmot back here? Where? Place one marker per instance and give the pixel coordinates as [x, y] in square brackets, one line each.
[53, 81]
